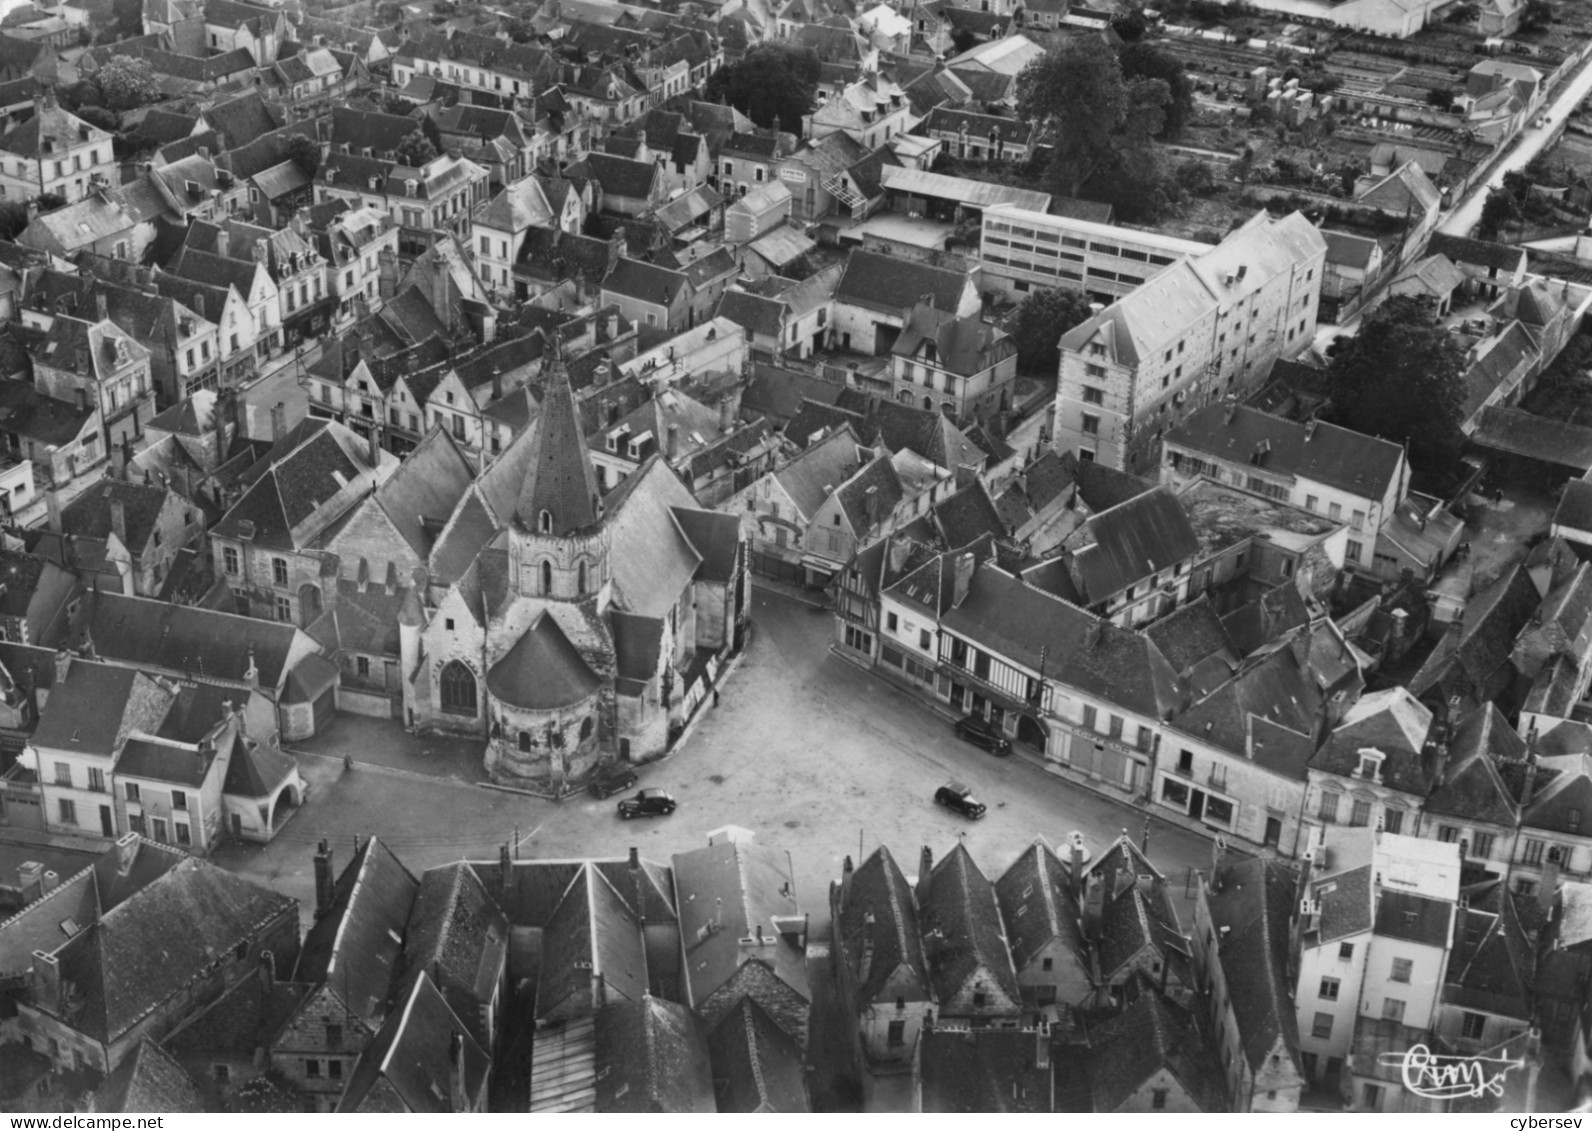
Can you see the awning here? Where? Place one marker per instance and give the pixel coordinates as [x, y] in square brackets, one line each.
[820, 565]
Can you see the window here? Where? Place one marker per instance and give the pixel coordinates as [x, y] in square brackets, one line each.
[312, 1067]
[980, 1000]
[1114, 726]
[1329, 807]
[1089, 716]
[279, 571]
[923, 639]
[1322, 1026]
[1401, 969]
[68, 811]
[1185, 761]
[1047, 964]
[1534, 852]
[1092, 395]
[222, 1073]
[1345, 952]
[1393, 820]
[132, 791]
[1482, 846]
[1158, 1099]
[898, 1033]
[63, 774]
[1360, 814]
[284, 609]
[96, 779]
[1472, 1025]
[1393, 1009]
[1373, 1097]
[1329, 989]
[1091, 424]
[1355, 551]
[334, 1069]
[547, 579]
[891, 622]
[183, 834]
[1447, 834]
[1572, 822]
[179, 799]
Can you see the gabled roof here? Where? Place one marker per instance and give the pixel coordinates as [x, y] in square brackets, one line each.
[1252, 904]
[890, 283]
[756, 1067]
[814, 475]
[878, 919]
[409, 1067]
[645, 282]
[1119, 547]
[652, 1057]
[90, 515]
[984, 1071]
[457, 936]
[962, 928]
[1037, 903]
[149, 1080]
[1393, 722]
[1146, 1038]
[357, 945]
[1466, 660]
[1493, 966]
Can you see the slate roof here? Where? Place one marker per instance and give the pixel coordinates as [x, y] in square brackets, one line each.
[158, 943]
[756, 1067]
[149, 1080]
[543, 671]
[1252, 904]
[1478, 253]
[1118, 548]
[1575, 506]
[297, 483]
[457, 936]
[960, 905]
[888, 283]
[1395, 723]
[968, 515]
[1037, 903]
[185, 639]
[620, 176]
[645, 282]
[1147, 1037]
[983, 1071]
[411, 1059]
[357, 945]
[89, 515]
[962, 345]
[1493, 966]
[1466, 661]
[244, 1019]
[26, 412]
[1413, 918]
[1361, 465]
[652, 1057]
[878, 916]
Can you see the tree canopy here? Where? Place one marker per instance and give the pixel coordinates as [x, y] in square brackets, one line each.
[1039, 322]
[772, 82]
[304, 152]
[1402, 377]
[415, 149]
[1146, 61]
[1100, 123]
[126, 83]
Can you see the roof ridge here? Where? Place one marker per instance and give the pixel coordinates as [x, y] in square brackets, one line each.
[752, 1047]
[898, 918]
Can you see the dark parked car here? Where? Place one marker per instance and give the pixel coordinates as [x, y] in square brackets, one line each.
[955, 795]
[981, 732]
[647, 803]
[616, 779]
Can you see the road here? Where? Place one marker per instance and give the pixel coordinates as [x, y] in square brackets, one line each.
[814, 756]
[1464, 217]
[278, 384]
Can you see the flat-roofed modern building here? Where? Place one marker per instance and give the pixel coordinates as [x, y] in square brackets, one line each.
[1024, 250]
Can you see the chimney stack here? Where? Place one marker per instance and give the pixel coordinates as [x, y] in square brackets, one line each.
[925, 866]
[505, 869]
[278, 421]
[101, 305]
[63, 664]
[267, 971]
[962, 579]
[726, 413]
[846, 870]
[673, 448]
[223, 242]
[373, 447]
[456, 1097]
[119, 520]
[324, 884]
[52, 508]
[47, 982]
[635, 858]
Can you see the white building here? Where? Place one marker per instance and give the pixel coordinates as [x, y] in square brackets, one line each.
[1023, 250]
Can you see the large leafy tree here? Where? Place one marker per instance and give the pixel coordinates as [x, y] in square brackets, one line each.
[1402, 377]
[1100, 122]
[771, 81]
[126, 83]
[1142, 60]
[305, 153]
[415, 149]
[1039, 322]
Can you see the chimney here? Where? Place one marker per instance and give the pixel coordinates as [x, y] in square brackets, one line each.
[223, 242]
[456, 1097]
[267, 971]
[925, 866]
[962, 579]
[373, 447]
[1549, 887]
[1218, 852]
[611, 324]
[63, 663]
[262, 252]
[52, 508]
[871, 508]
[1093, 907]
[324, 886]
[635, 858]
[278, 421]
[846, 870]
[1042, 1046]
[505, 870]
[101, 304]
[726, 413]
[251, 674]
[119, 520]
[1077, 871]
[50, 882]
[47, 982]
[673, 448]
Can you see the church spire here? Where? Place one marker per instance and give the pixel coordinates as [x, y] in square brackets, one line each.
[559, 495]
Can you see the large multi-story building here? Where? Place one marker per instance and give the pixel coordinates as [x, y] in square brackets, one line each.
[1023, 250]
[1201, 329]
[54, 153]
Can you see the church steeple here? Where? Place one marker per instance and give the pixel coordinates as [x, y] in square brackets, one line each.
[559, 496]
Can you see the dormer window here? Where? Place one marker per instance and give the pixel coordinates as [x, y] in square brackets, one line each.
[546, 523]
[1370, 767]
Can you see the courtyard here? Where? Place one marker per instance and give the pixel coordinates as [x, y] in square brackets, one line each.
[816, 757]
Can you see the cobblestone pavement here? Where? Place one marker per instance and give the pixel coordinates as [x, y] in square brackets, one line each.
[816, 757]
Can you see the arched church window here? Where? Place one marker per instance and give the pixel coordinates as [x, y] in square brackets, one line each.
[547, 522]
[547, 579]
[586, 728]
[525, 740]
[580, 579]
[458, 689]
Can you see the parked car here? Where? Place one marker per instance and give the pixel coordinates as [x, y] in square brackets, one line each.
[647, 803]
[981, 732]
[955, 795]
[617, 778]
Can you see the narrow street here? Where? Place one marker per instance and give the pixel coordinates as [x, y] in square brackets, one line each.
[815, 756]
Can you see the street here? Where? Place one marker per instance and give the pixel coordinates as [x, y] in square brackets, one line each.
[811, 754]
[1532, 140]
[277, 383]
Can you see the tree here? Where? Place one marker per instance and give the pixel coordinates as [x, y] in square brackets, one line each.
[1442, 99]
[1536, 15]
[127, 83]
[772, 82]
[1146, 61]
[1131, 26]
[13, 218]
[1039, 322]
[963, 41]
[1195, 177]
[415, 149]
[1402, 377]
[305, 153]
[100, 118]
[1498, 209]
[518, 30]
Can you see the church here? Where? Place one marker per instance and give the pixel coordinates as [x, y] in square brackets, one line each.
[568, 628]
